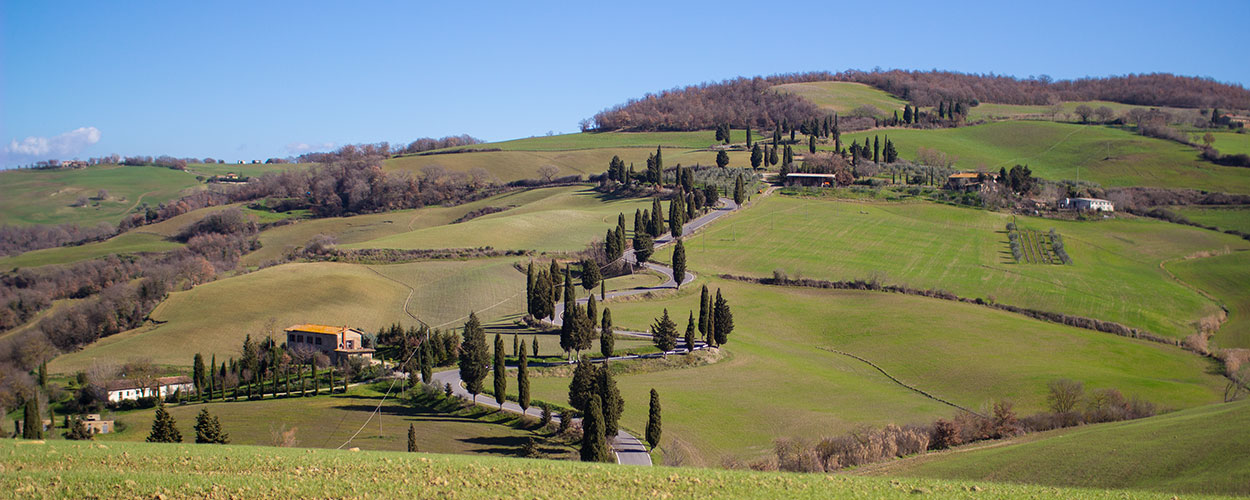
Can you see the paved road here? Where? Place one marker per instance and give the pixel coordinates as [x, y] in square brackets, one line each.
[629, 449]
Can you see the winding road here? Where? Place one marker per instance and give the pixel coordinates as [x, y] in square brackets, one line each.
[628, 448]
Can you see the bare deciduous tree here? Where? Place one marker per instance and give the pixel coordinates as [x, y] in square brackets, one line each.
[548, 172]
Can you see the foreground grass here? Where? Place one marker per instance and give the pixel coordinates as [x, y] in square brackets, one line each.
[1108, 156]
[776, 381]
[66, 469]
[1227, 278]
[1115, 273]
[45, 196]
[1201, 450]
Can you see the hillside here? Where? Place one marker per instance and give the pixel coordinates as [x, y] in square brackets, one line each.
[74, 469]
[47, 196]
[1109, 156]
[1198, 451]
[844, 97]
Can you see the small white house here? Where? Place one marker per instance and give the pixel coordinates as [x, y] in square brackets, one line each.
[162, 387]
[1090, 204]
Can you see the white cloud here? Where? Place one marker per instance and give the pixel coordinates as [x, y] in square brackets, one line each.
[61, 147]
[296, 148]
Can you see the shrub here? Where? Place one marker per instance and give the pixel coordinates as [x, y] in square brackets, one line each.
[945, 434]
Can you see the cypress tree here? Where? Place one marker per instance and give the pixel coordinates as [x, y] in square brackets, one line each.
[516, 344]
[32, 421]
[679, 263]
[529, 288]
[554, 271]
[412, 438]
[690, 333]
[590, 274]
[197, 373]
[653, 421]
[703, 311]
[523, 379]
[535, 346]
[757, 156]
[811, 144]
[610, 398]
[427, 362]
[594, 446]
[501, 373]
[640, 226]
[474, 356]
[606, 341]
[724, 319]
[644, 246]
[582, 387]
[592, 311]
[722, 158]
[664, 333]
[676, 216]
[876, 149]
[164, 429]
[208, 429]
[740, 191]
[748, 136]
[656, 228]
[907, 113]
[43, 375]
[772, 155]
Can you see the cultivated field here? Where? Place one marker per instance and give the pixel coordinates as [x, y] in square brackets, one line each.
[844, 97]
[777, 372]
[565, 220]
[1198, 451]
[67, 469]
[1108, 156]
[45, 196]
[1115, 274]
[514, 164]
[991, 111]
[125, 243]
[1227, 277]
[215, 317]
[1223, 217]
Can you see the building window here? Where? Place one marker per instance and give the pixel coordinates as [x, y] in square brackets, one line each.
[299, 338]
[349, 344]
[318, 340]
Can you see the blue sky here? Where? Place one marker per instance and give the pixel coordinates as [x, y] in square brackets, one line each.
[252, 80]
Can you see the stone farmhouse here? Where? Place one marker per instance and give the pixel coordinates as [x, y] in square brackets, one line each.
[340, 343]
[1087, 204]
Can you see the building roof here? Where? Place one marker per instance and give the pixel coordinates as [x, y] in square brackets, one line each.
[1092, 200]
[124, 384]
[964, 175]
[819, 176]
[311, 328]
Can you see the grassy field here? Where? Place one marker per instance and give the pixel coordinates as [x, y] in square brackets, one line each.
[1109, 156]
[990, 111]
[246, 170]
[565, 219]
[1115, 273]
[521, 163]
[1225, 277]
[45, 196]
[68, 469]
[843, 97]
[215, 317]
[125, 243]
[347, 230]
[597, 140]
[330, 421]
[1199, 451]
[1224, 217]
[782, 384]
[1229, 143]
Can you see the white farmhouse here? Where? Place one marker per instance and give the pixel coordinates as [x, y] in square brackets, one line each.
[163, 387]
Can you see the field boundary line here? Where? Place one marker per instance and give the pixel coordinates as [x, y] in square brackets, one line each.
[900, 382]
[408, 299]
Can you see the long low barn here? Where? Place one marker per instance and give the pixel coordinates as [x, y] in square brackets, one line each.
[163, 387]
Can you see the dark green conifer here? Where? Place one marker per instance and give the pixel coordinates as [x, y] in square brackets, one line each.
[653, 421]
[664, 333]
[679, 263]
[164, 429]
[523, 379]
[412, 438]
[606, 341]
[474, 356]
[208, 429]
[501, 373]
[594, 445]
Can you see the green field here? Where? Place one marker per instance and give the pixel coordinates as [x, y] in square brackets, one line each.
[563, 219]
[125, 243]
[330, 421]
[69, 469]
[1235, 217]
[701, 139]
[244, 170]
[1108, 156]
[843, 97]
[1227, 278]
[991, 111]
[1229, 143]
[45, 196]
[213, 318]
[775, 371]
[1115, 273]
[510, 165]
[1198, 451]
